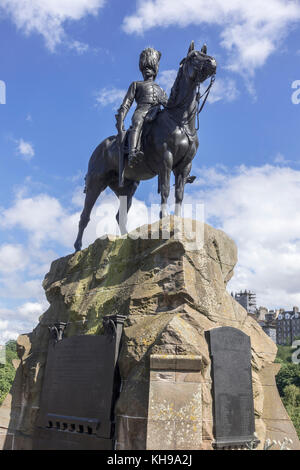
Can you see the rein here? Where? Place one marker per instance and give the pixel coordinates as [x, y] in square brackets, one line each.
[198, 98]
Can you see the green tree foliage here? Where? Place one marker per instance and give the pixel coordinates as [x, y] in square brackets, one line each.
[288, 383]
[291, 396]
[7, 370]
[289, 374]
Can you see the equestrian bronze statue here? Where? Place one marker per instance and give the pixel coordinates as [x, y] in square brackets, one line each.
[168, 141]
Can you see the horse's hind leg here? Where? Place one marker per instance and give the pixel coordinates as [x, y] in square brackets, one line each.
[164, 178]
[180, 179]
[127, 191]
[94, 188]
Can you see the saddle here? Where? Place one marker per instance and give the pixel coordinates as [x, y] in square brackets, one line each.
[150, 117]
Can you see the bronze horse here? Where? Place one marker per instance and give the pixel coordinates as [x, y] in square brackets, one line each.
[170, 143]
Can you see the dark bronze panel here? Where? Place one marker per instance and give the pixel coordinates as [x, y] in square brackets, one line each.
[77, 394]
[230, 350]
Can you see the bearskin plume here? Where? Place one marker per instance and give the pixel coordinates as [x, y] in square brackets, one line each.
[150, 58]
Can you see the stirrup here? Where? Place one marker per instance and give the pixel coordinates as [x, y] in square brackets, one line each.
[134, 158]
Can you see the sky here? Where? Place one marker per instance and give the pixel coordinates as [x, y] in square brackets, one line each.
[65, 66]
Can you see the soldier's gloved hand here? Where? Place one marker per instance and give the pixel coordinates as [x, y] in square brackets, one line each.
[120, 127]
[119, 124]
[121, 131]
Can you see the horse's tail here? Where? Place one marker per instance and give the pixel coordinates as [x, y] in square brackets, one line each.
[85, 184]
[96, 164]
[158, 184]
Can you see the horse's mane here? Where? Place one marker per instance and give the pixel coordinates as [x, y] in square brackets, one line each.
[175, 88]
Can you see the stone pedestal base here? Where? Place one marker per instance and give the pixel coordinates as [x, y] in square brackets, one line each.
[171, 292]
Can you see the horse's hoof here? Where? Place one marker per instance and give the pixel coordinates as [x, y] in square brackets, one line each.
[77, 247]
[190, 179]
[162, 216]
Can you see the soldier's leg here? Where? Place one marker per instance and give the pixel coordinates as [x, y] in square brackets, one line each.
[137, 124]
[134, 135]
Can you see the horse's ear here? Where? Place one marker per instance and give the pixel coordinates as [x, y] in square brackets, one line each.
[192, 47]
[204, 49]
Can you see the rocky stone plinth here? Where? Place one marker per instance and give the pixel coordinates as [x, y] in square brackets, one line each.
[172, 291]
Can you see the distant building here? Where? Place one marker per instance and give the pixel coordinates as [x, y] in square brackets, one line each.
[247, 299]
[280, 325]
[288, 326]
[268, 321]
[271, 331]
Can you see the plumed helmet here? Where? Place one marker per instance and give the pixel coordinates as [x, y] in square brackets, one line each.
[150, 58]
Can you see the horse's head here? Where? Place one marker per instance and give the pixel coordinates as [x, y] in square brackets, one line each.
[197, 65]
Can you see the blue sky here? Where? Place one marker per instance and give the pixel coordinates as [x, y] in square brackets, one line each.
[67, 64]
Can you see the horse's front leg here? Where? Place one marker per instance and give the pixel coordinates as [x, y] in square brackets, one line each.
[94, 188]
[165, 174]
[127, 192]
[180, 179]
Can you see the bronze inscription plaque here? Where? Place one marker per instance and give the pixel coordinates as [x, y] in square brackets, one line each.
[77, 394]
[230, 351]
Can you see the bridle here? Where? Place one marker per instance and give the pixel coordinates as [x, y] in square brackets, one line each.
[199, 106]
[199, 96]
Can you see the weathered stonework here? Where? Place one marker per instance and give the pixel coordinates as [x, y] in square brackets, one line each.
[175, 403]
[171, 291]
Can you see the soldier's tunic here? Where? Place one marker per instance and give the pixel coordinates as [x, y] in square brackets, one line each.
[147, 94]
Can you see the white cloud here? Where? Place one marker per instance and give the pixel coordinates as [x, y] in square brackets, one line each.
[78, 196]
[31, 311]
[47, 17]
[38, 215]
[281, 160]
[166, 79]
[79, 47]
[20, 286]
[25, 149]
[110, 96]
[3, 324]
[12, 258]
[43, 219]
[223, 89]
[251, 31]
[22, 319]
[258, 207]
[7, 335]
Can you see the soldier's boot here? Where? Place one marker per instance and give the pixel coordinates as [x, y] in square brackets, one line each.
[135, 154]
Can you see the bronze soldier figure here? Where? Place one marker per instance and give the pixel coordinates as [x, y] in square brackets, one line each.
[170, 145]
[147, 95]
